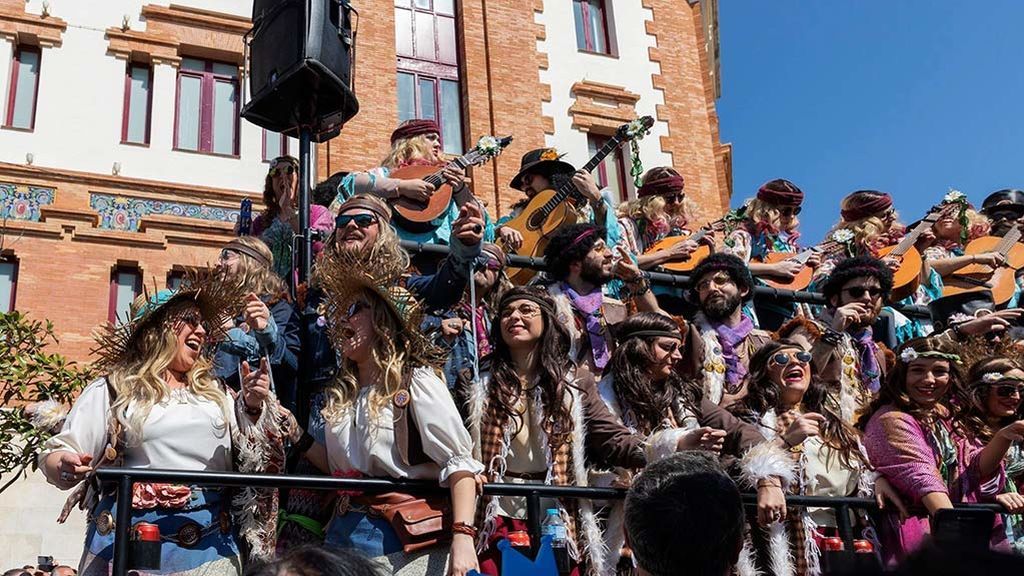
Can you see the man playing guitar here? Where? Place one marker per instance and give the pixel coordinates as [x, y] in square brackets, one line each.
[543, 169]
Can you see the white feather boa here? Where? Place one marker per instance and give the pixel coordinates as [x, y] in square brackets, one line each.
[589, 544]
[714, 362]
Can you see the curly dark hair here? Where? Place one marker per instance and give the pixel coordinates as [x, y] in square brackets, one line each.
[732, 265]
[858, 267]
[764, 395]
[974, 417]
[570, 244]
[648, 400]
[894, 388]
[554, 365]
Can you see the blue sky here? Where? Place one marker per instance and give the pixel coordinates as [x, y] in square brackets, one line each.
[911, 97]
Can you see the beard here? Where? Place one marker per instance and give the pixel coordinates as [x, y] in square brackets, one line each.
[719, 307]
[594, 274]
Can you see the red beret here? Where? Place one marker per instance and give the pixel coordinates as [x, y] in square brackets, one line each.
[780, 193]
[661, 186]
[866, 203]
[412, 128]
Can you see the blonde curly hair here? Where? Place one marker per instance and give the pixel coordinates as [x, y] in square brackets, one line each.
[139, 382]
[408, 150]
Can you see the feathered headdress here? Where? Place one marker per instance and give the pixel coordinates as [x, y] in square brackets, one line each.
[215, 297]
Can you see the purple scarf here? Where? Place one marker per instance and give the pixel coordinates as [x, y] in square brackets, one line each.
[870, 374]
[729, 337]
[590, 305]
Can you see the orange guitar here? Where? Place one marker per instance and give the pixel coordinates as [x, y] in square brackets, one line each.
[703, 248]
[803, 279]
[418, 216]
[1001, 280]
[906, 277]
[547, 211]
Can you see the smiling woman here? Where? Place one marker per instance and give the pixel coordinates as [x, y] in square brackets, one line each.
[911, 438]
[160, 406]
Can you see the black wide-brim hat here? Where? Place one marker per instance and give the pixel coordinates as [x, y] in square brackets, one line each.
[957, 308]
[1007, 199]
[543, 161]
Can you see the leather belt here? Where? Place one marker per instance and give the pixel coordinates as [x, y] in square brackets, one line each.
[188, 535]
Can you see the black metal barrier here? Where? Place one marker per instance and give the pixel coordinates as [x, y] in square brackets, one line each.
[666, 279]
[125, 478]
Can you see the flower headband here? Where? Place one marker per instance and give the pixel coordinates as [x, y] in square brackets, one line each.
[910, 354]
[996, 377]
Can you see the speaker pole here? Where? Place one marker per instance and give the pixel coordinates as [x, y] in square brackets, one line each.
[306, 254]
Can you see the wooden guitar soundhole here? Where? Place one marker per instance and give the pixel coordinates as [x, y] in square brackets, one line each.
[536, 220]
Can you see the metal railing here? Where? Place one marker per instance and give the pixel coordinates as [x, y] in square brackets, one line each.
[671, 280]
[125, 478]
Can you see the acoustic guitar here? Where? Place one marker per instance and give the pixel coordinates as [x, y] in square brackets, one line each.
[418, 216]
[1001, 280]
[907, 275]
[703, 249]
[547, 211]
[803, 278]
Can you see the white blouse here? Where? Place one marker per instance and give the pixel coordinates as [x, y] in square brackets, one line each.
[184, 432]
[356, 441]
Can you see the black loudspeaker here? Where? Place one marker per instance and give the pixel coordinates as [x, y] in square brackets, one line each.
[300, 64]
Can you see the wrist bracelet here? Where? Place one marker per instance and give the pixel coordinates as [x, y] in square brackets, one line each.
[304, 443]
[463, 528]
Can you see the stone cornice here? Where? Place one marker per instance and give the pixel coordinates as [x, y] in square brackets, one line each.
[45, 31]
[197, 18]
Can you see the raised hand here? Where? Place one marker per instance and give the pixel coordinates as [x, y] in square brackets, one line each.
[255, 385]
[256, 313]
[805, 426]
[469, 227]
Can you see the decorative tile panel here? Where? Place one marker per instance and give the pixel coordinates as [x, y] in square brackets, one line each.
[126, 213]
[23, 202]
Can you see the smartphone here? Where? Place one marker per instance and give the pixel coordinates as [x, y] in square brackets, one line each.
[45, 563]
[245, 218]
[964, 529]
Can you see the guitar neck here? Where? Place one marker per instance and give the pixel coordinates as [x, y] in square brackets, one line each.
[568, 188]
[1009, 239]
[910, 239]
[437, 178]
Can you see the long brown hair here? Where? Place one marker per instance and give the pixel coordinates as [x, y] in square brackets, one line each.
[554, 365]
[271, 208]
[648, 401]
[894, 388]
[763, 395]
[974, 418]
[255, 276]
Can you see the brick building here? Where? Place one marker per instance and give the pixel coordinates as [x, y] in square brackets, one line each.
[123, 159]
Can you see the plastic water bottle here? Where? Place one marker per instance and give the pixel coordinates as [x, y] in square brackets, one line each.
[554, 527]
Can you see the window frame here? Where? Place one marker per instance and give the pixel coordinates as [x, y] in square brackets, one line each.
[13, 260]
[434, 70]
[126, 111]
[263, 145]
[207, 107]
[12, 87]
[588, 40]
[619, 157]
[112, 298]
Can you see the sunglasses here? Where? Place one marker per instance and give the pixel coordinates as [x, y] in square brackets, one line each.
[526, 311]
[791, 211]
[355, 308]
[859, 291]
[1008, 390]
[674, 198]
[193, 319]
[276, 171]
[226, 255]
[783, 358]
[361, 220]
